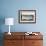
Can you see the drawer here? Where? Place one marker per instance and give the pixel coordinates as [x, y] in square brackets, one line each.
[9, 43]
[13, 43]
[34, 37]
[37, 43]
[16, 37]
[33, 43]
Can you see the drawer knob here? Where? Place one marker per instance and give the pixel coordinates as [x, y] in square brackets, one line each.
[33, 42]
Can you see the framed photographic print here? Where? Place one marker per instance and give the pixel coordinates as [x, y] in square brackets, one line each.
[27, 16]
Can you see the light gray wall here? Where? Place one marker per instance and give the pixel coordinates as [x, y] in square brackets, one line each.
[9, 8]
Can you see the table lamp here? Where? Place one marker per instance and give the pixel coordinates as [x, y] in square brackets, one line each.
[9, 21]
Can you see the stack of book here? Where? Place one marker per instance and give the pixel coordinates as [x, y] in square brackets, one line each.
[30, 33]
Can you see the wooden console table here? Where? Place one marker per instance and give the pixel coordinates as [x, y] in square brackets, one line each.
[20, 39]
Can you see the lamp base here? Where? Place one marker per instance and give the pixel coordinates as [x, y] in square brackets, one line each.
[9, 33]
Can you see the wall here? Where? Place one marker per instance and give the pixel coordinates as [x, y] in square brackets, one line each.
[9, 8]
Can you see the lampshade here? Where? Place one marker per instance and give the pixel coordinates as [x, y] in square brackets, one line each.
[9, 21]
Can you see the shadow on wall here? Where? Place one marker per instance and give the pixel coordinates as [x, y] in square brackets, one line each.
[2, 21]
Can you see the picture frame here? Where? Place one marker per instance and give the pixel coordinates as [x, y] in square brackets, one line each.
[27, 16]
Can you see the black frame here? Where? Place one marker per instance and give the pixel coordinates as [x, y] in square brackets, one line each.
[20, 16]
